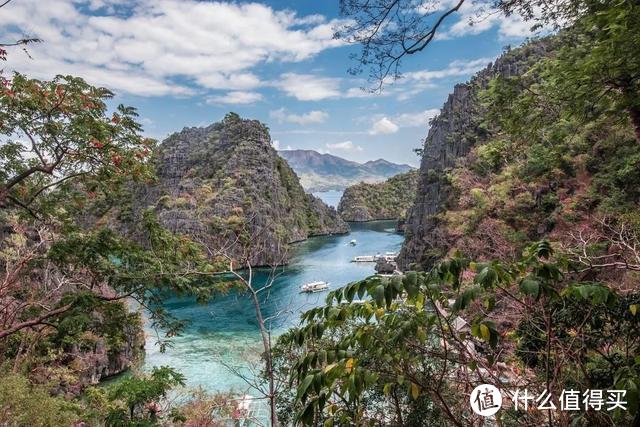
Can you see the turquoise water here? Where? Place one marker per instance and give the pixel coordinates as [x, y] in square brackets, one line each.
[224, 332]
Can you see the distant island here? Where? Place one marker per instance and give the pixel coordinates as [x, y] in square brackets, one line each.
[326, 172]
[389, 199]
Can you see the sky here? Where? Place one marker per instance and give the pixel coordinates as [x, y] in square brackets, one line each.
[185, 63]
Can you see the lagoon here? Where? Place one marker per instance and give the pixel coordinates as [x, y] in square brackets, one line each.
[224, 332]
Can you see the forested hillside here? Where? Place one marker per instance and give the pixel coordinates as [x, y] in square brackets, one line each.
[386, 200]
[521, 259]
[522, 245]
[224, 185]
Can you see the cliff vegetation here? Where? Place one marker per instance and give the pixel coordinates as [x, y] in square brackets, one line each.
[386, 200]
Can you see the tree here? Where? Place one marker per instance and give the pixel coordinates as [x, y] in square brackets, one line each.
[392, 346]
[597, 69]
[391, 30]
[23, 42]
[244, 243]
[140, 395]
[69, 252]
[57, 133]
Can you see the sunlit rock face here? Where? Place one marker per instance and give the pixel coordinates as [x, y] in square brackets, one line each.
[451, 136]
[225, 185]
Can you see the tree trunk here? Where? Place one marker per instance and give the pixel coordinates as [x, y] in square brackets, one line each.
[634, 114]
[266, 342]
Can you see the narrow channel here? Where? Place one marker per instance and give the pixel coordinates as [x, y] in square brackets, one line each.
[224, 332]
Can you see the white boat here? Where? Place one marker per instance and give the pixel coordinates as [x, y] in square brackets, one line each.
[353, 242]
[388, 256]
[395, 273]
[318, 286]
[365, 258]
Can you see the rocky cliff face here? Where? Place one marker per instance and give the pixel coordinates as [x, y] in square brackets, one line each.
[451, 136]
[386, 200]
[224, 184]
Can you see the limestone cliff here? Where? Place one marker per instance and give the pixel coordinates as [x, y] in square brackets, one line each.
[386, 200]
[451, 136]
[224, 182]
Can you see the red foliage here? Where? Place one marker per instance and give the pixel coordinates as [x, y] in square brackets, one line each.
[96, 143]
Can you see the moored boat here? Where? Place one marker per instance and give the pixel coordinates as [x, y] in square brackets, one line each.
[364, 258]
[317, 286]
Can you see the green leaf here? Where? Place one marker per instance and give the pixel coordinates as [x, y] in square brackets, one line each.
[307, 414]
[485, 332]
[304, 386]
[387, 389]
[415, 391]
[487, 277]
[466, 298]
[379, 296]
[530, 286]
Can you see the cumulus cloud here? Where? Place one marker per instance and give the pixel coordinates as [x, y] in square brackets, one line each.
[420, 118]
[476, 17]
[344, 146]
[414, 82]
[167, 47]
[383, 126]
[237, 97]
[283, 116]
[309, 87]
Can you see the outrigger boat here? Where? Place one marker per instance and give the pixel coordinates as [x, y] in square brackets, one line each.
[318, 286]
[364, 258]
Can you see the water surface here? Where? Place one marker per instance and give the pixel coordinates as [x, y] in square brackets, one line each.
[224, 332]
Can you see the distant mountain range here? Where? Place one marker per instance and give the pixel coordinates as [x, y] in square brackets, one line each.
[324, 172]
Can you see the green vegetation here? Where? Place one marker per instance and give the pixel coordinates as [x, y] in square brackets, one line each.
[546, 205]
[405, 354]
[386, 200]
[71, 255]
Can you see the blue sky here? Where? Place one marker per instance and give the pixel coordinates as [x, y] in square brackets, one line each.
[187, 63]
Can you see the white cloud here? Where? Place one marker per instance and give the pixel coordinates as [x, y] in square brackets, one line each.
[315, 116]
[476, 17]
[420, 118]
[344, 146]
[237, 97]
[309, 87]
[166, 47]
[414, 82]
[515, 27]
[276, 144]
[383, 126]
[239, 81]
[358, 92]
[455, 68]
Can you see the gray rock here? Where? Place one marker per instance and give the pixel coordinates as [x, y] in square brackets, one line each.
[225, 183]
[451, 136]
